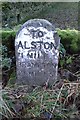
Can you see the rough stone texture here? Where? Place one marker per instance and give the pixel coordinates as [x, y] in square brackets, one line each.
[36, 46]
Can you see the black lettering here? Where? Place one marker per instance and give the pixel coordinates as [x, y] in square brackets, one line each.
[52, 45]
[46, 45]
[41, 42]
[20, 45]
[34, 45]
[40, 34]
[26, 45]
[20, 54]
[33, 33]
[30, 55]
[35, 54]
[38, 55]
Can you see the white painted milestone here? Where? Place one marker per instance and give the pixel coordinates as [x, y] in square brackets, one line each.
[37, 51]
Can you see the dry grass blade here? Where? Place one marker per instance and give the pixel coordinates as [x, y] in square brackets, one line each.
[4, 109]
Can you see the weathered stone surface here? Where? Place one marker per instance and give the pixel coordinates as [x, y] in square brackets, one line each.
[36, 46]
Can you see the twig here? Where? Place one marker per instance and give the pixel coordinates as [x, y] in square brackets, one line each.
[71, 83]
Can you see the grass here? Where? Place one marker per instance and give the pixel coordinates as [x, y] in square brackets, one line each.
[40, 102]
[5, 106]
